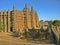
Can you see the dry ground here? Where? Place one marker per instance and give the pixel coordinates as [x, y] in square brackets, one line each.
[6, 39]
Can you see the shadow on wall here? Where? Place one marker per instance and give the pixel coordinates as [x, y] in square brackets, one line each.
[11, 29]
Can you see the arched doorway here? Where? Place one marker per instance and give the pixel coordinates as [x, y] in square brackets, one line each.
[11, 29]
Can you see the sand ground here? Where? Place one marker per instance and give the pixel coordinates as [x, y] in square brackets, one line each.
[6, 39]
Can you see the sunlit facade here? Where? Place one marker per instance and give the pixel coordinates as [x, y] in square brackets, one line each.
[19, 20]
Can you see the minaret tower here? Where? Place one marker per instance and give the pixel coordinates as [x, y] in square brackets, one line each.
[36, 19]
[13, 17]
[25, 11]
[33, 23]
[27, 21]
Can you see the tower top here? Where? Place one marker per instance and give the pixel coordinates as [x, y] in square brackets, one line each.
[14, 7]
[35, 12]
[8, 9]
[26, 6]
[5, 10]
[32, 9]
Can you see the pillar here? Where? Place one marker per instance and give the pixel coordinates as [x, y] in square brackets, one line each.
[8, 14]
[5, 21]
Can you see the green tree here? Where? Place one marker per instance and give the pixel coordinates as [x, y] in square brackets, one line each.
[56, 22]
[41, 20]
[1, 27]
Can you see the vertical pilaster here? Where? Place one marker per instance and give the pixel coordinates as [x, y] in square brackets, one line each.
[12, 21]
[5, 21]
[8, 18]
[1, 16]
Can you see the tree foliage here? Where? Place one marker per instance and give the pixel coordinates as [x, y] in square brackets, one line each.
[56, 22]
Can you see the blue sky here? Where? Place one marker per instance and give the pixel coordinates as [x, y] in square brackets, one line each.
[46, 9]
